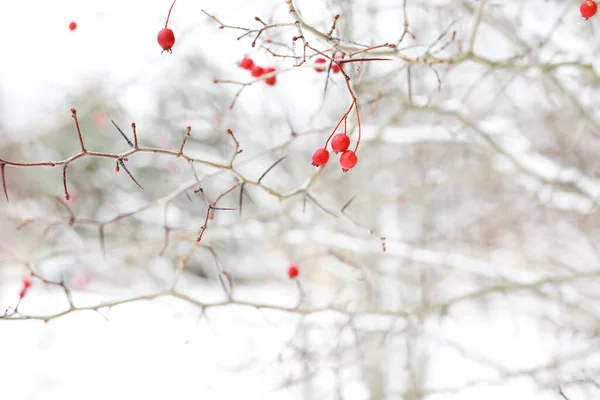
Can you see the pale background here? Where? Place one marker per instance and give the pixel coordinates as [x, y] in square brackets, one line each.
[492, 250]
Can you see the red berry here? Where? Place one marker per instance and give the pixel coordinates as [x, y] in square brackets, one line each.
[246, 63]
[293, 271]
[588, 8]
[256, 71]
[320, 60]
[348, 160]
[166, 39]
[26, 283]
[340, 143]
[334, 67]
[271, 80]
[72, 26]
[22, 293]
[320, 157]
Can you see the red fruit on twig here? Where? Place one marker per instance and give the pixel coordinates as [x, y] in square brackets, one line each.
[348, 160]
[257, 71]
[320, 157]
[588, 8]
[271, 80]
[340, 143]
[334, 67]
[319, 61]
[166, 39]
[293, 271]
[246, 63]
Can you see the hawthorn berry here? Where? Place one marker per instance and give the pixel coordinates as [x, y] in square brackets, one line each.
[166, 39]
[293, 271]
[348, 160]
[73, 26]
[334, 67]
[25, 287]
[271, 80]
[588, 8]
[246, 63]
[257, 71]
[340, 143]
[320, 157]
[319, 61]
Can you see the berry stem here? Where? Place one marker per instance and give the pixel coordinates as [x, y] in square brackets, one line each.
[355, 104]
[169, 14]
[359, 129]
[352, 94]
[3, 175]
[344, 118]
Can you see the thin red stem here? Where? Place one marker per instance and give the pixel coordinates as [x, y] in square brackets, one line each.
[355, 103]
[169, 14]
[359, 129]
[2, 166]
[344, 118]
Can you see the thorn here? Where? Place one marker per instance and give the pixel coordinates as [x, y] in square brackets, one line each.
[129, 173]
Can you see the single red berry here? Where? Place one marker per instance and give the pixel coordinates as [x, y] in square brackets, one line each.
[246, 63]
[319, 61]
[334, 67]
[293, 271]
[22, 293]
[320, 157]
[26, 283]
[588, 8]
[73, 26]
[340, 143]
[166, 39]
[348, 160]
[271, 80]
[256, 71]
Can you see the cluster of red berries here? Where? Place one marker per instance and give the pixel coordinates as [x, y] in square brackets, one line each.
[257, 71]
[588, 8]
[25, 287]
[320, 65]
[339, 144]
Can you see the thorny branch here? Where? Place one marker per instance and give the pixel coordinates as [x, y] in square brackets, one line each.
[443, 54]
[397, 313]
